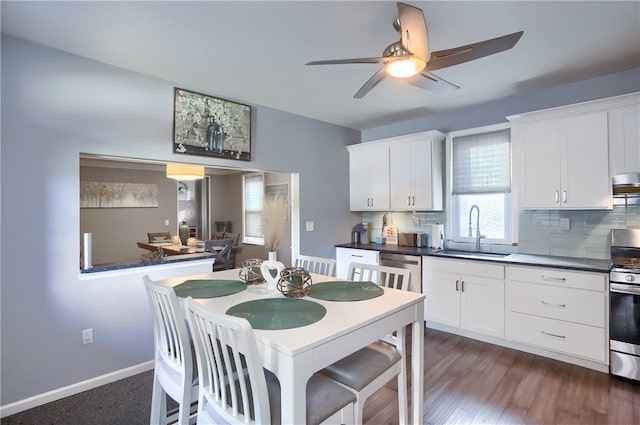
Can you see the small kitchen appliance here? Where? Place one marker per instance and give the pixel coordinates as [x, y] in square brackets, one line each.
[624, 298]
[360, 233]
[437, 236]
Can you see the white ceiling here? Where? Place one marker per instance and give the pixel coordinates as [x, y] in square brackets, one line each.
[254, 52]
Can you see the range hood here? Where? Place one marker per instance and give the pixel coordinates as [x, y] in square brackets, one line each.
[626, 184]
[626, 189]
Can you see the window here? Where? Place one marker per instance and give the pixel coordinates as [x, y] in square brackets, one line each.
[481, 176]
[253, 190]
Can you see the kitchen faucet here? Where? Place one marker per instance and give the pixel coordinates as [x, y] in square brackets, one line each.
[478, 235]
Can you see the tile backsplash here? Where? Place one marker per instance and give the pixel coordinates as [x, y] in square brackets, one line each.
[539, 231]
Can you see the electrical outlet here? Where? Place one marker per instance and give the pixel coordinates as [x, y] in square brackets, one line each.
[166, 222]
[565, 223]
[87, 336]
[309, 226]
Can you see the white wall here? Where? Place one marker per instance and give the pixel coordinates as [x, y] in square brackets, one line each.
[56, 106]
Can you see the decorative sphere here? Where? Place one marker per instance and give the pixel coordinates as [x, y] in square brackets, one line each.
[250, 272]
[295, 282]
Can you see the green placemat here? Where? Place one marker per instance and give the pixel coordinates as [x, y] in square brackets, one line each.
[345, 291]
[209, 288]
[278, 313]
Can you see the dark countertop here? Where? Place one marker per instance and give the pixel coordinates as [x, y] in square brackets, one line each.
[570, 263]
[166, 260]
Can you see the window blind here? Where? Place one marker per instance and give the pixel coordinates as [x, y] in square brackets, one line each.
[482, 163]
[253, 192]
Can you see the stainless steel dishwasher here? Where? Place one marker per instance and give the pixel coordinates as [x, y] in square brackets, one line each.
[401, 261]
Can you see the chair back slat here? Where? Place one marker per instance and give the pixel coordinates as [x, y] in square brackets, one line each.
[233, 383]
[324, 266]
[389, 277]
[169, 329]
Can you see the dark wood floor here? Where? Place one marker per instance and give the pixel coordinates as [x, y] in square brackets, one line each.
[471, 382]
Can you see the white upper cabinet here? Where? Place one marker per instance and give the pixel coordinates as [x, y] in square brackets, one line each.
[624, 138]
[561, 155]
[369, 177]
[565, 162]
[415, 171]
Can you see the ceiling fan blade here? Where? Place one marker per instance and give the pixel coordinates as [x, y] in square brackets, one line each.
[428, 81]
[370, 84]
[346, 61]
[414, 30]
[458, 55]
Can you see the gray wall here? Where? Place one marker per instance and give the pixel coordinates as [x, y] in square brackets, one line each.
[115, 231]
[56, 106]
[496, 112]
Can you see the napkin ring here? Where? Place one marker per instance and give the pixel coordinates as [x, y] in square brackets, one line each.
[295, 282]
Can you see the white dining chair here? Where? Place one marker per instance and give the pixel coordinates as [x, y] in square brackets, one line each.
[324, 266]
[175, 372]
[370, 368]
[234, 388]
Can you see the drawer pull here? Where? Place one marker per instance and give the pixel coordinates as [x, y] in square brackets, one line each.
[554, 279]
[358, 256]
[553, 335]
[553, 305]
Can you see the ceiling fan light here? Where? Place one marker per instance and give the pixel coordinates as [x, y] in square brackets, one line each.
[406, 67]
[185, 171]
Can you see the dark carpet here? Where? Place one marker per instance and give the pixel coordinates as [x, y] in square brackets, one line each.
[124, 402]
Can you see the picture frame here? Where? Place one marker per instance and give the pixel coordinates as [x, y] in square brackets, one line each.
[210, 126]
[118, 195]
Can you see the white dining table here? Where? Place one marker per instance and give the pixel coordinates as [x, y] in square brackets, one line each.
[293, 355]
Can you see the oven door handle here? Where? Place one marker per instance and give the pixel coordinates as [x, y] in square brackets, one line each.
[621, 288]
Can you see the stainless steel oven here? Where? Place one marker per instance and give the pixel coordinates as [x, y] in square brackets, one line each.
[624, 298]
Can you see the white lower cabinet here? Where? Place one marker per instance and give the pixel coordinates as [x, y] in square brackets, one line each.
[558, 310]
[465, 294]
[346, 256]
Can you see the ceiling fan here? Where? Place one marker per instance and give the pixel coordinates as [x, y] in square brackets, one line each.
[410, 60]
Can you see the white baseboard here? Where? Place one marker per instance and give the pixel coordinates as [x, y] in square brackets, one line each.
[40, 399]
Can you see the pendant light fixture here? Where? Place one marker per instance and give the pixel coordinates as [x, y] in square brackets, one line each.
[185, 171]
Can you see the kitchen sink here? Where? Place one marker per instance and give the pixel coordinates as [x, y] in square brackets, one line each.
[471, 254]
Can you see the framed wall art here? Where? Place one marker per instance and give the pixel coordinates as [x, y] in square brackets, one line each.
[118, 195]
[209, 126]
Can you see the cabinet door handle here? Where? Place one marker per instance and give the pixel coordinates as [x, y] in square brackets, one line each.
[457, 283]
[564, 196]
[553, 335]
[409, 200]
[543, 302]
[462, 285]
[557, 196]
[413, 200]
[554, 279]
